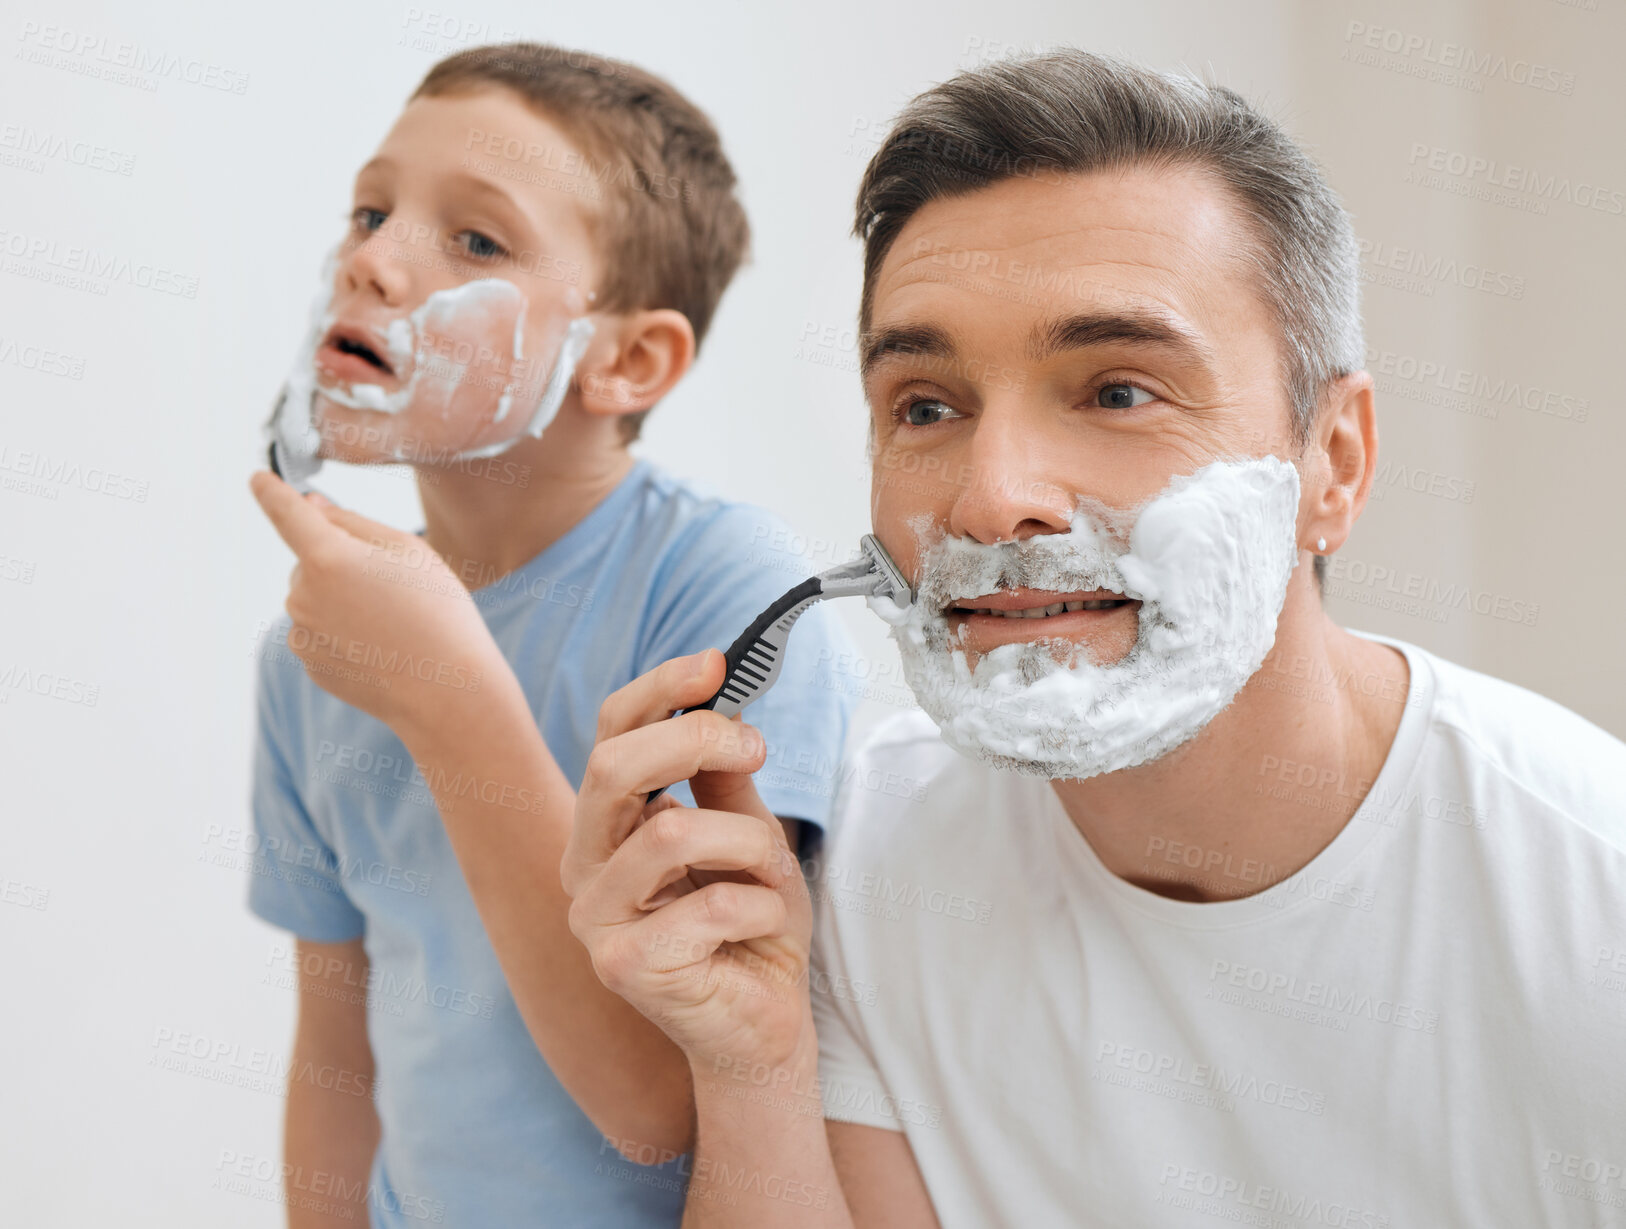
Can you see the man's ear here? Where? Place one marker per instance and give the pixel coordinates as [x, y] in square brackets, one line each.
[634, 360]
[1341, 461]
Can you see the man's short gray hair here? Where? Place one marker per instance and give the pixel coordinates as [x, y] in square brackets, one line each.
[1074, 111]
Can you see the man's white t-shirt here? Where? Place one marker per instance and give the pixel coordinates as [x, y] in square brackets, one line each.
[1424, 1027]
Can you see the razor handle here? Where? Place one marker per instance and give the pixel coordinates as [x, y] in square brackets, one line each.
[754, 658]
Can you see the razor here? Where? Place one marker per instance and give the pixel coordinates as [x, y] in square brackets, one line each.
[294, 467]
[754, 658]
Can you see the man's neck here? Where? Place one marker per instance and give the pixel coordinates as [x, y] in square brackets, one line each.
[491, 516]
[1268, 783]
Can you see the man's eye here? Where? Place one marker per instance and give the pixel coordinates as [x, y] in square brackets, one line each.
[925, 412]
[481, 247]
[367, 219]
[1121, 396]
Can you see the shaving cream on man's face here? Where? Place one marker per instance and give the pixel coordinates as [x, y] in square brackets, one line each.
[449, 381]
[1209, 560]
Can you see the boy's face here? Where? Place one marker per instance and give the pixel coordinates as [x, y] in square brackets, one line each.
[418, 363]
[1040, 340]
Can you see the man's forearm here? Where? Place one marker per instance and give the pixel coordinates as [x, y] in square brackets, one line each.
[508, 810]
[762, 1159]
[334, 1134]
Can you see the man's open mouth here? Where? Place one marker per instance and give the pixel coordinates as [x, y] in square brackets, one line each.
[1022, 616]
[1044, 612]
[1035, 604]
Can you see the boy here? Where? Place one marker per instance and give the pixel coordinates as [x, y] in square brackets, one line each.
[391, 691]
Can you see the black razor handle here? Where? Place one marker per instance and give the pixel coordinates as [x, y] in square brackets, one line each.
[754, 658]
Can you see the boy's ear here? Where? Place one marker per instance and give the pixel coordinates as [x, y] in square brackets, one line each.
[634, 360]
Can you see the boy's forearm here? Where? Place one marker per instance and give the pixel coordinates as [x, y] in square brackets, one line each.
[762, 1159]
[508, 810]
[333, 1134]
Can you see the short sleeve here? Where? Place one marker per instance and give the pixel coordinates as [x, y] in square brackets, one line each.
[713, 583]
[294, 879]
[849, 1079]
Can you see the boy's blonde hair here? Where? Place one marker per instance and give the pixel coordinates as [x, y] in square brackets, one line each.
[661, 192]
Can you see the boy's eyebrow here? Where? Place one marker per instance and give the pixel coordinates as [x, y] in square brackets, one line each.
[380, 163]
[475, 182]
[488, 188]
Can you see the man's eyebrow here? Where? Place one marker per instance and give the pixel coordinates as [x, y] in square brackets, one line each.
[1138, 326]
[1135, 326]
[927, 340]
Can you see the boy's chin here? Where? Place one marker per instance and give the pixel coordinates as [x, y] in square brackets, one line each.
[370, 437]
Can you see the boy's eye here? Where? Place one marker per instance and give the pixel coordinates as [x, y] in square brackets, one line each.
[925, 411]
[1121, 396]
[480, 246]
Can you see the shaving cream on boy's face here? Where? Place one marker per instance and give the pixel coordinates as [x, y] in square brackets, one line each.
[464, 375]
[1208, 559]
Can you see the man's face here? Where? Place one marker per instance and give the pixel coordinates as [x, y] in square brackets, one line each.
[465, 187]
[1044, 339]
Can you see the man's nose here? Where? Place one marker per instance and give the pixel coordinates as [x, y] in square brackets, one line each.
[1011, 491]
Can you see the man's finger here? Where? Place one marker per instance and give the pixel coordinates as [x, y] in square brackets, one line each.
[731, 791]
[666, 752]
[665, 848]
[300, 525]
[689, 930]
[621, 772]
[675, 684]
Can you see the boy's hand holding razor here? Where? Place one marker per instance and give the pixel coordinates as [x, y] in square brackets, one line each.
[379, 620]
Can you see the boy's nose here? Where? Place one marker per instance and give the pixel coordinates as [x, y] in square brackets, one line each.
[373, 267]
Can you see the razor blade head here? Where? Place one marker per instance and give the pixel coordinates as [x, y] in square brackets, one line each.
[293, 465]
[892, 583]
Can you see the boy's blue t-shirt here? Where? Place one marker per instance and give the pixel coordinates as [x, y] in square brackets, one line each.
[476, 1130]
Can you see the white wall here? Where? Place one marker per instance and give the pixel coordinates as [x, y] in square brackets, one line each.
[116, 928]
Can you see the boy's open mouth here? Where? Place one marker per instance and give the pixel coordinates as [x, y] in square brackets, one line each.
[354, 354]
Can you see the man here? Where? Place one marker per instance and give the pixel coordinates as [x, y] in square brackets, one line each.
[1207, 907]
